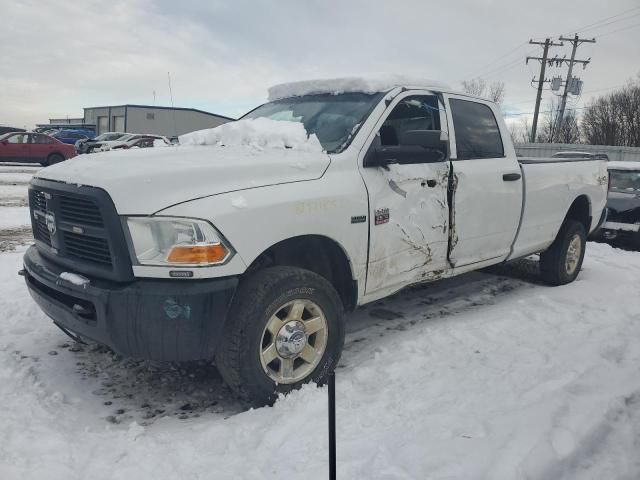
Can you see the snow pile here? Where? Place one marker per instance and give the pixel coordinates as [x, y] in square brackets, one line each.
[364, 84]
[158, 142]
[74, 278]
[258, 133]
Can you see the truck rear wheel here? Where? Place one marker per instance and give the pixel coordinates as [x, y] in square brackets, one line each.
[562, 261]
[285, 328]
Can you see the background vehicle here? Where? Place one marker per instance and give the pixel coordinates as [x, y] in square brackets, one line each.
[4, 130]
[585, 155]
[623, 204]
[142, 142]
[70, 136]
[87, 145]
[250, 248]
[34, 148]
[108, 145]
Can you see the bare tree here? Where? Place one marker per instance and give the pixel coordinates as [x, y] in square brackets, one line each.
[551, 131]
[496, 92]
[478, 86]
[614, 118]
[475, 86]
[521, 131]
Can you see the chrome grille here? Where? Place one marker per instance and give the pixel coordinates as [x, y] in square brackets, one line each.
[79, 226]
[93, 249]
[79, 210]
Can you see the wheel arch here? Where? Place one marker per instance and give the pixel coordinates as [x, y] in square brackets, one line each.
[53, 154]
[580, 210]
[317, 253]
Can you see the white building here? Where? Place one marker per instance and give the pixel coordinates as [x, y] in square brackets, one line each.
[168, 121]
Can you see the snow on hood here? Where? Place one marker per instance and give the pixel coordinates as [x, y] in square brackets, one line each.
[363, 84]
[258, 133]
[144, 181]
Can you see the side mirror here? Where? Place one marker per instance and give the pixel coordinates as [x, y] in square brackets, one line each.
[4, 142]
[415, 146]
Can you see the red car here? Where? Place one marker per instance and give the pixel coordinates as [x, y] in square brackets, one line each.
[34, 148]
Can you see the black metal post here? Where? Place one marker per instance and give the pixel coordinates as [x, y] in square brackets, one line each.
[332, 426]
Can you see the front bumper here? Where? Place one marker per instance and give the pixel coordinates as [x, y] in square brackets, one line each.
[172, 320]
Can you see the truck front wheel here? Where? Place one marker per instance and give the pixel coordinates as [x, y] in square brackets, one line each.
[285, 328]
[562, 261]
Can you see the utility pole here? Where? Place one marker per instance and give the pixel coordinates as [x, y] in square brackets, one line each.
[543, 65]
[575, 41]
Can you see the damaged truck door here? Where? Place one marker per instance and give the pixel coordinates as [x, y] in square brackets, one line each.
[406, 170]
[487, 198]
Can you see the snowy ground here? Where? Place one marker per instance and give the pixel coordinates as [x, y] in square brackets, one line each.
[490, 375]
[14, 212]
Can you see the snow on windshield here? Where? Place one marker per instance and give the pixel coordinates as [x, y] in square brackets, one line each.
[258, 133]
[363, 84]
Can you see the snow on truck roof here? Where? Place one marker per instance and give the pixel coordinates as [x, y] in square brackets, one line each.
[360, 84]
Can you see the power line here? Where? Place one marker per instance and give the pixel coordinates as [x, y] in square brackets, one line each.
[506, 66]
[510, 52]
[619, 30]
[581, 29]
[609, 23]
[583, 93]
[531, 113]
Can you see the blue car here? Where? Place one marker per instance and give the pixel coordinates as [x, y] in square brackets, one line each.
[72, 136]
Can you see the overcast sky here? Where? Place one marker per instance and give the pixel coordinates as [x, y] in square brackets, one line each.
[60, 56]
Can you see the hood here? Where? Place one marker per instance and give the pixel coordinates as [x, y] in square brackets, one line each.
[625, 206]
[144, 181]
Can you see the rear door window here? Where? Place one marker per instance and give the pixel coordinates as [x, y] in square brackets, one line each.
[41, 139]
[476, 129]
[18, 138]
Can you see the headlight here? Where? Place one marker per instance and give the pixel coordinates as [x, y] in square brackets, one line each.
[177, 241]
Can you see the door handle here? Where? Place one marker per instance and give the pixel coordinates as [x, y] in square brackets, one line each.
[511, 177]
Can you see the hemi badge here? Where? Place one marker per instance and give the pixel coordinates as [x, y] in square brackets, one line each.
[78, 230]
[181, 273]
[359, 219]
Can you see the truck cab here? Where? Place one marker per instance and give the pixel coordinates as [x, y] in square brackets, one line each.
[250, 243]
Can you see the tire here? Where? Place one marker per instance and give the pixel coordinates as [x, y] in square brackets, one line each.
[562, 261]
[54, 158]
[253, 361]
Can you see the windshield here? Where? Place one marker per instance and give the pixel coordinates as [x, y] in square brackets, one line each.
[105, 137]
[624, 180]
[332, 118]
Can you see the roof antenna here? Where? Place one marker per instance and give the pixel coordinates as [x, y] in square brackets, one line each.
[173, 110]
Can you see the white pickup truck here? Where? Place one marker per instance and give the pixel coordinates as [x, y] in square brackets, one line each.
[247, 244]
